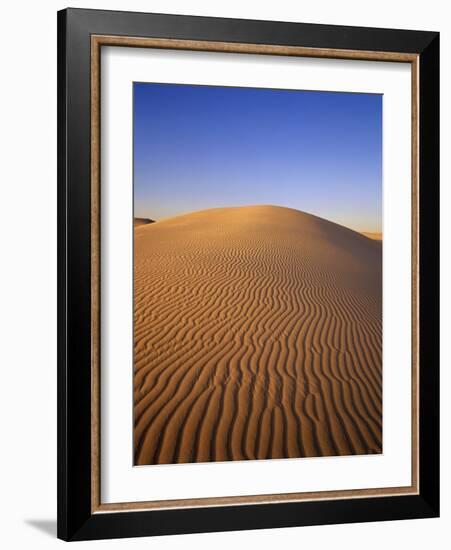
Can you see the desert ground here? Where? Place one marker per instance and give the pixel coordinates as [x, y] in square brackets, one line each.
[258, 334]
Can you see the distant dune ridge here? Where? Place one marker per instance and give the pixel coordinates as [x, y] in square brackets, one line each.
[141, 221]
[375, 236]
[258, 334]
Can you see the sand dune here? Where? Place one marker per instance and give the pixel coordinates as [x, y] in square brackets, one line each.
[258, 334]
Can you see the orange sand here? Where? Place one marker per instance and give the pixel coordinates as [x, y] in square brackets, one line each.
[258, 334]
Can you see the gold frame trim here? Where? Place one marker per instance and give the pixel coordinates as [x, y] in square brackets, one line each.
[97, 41]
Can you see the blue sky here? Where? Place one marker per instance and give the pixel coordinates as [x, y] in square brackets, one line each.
[198, 147]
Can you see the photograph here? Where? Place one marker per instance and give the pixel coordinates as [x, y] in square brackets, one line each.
[248, 272]
[257, 273]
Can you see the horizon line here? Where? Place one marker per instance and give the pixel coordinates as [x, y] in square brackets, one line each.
[152, 219]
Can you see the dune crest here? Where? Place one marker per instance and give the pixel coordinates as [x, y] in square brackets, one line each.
[258, 334]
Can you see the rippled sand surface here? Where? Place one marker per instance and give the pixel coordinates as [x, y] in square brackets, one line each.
[258, 334]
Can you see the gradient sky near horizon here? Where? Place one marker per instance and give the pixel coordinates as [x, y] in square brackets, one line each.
[198, 147]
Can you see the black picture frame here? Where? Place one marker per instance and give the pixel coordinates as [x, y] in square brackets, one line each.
[75, 518]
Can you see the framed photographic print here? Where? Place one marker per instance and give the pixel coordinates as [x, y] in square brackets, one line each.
[248, 274]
